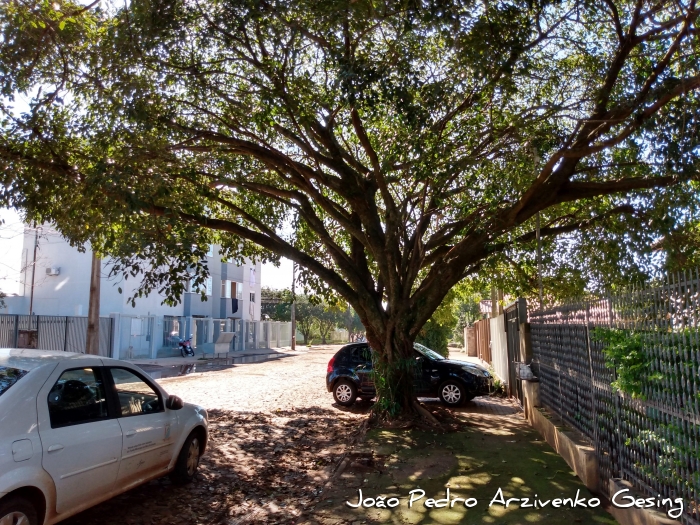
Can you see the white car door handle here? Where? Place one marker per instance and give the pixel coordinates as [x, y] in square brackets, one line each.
[130, 433]
[54, 448]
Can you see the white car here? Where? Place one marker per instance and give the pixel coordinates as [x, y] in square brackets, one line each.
[76, 430]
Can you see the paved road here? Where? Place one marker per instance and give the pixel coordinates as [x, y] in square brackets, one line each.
[275, 436]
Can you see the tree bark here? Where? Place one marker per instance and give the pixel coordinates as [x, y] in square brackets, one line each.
[395, 373]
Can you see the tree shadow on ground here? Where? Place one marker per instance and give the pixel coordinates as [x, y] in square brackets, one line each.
[259, 468]
[486, 445]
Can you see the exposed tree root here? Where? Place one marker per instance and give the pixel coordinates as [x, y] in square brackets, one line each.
[426, 414]
[418, 416]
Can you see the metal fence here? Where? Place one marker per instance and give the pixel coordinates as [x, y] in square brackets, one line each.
[651, 436]
[139, 337]
[174, 330]
[136, 335]
[50, 332]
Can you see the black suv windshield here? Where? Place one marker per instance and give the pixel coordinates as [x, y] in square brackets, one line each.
[427, 352]
[9, 376]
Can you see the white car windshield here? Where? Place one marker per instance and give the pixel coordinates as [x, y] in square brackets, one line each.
[9, 376]
[427, 352]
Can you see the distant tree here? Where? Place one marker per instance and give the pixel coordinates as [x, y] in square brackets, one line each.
[306, 314]
[328, 317]
[436, 333]
[468, 295]
[276, 304]
[351, 322]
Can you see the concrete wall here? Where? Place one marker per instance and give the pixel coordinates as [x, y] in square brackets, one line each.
[470, 341]
[577, 453]
[581, 457]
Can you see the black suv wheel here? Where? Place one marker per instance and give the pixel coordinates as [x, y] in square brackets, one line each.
[452, 393]
[345, 392]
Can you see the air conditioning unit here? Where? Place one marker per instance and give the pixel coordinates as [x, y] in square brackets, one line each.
[53, 271]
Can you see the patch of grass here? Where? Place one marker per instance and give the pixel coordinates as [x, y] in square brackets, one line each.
[472, 463]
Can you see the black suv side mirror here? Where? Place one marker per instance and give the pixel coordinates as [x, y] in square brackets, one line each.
[174, 403]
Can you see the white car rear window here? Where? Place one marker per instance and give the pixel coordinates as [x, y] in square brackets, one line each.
[9, 376]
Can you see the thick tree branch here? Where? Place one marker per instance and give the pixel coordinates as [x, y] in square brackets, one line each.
[583, 224]
[572, 191]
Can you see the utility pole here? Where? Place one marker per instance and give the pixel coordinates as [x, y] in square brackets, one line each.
[539, 259]
[294, 303]
[31, 290]
[93, 330]
[496, 300]
[535, 162]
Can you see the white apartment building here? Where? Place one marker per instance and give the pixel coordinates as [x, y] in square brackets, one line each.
[61, 277]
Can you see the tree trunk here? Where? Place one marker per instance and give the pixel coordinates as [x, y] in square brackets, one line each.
[395, 374]
[391, 331]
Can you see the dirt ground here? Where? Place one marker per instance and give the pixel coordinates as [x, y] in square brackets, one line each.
[275, 439]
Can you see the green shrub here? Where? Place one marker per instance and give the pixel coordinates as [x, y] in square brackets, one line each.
[624, 352]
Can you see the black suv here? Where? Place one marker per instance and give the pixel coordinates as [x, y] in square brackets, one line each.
[349, 376]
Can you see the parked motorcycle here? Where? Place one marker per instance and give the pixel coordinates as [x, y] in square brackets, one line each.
[186, 347]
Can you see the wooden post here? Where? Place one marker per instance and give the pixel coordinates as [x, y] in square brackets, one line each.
[294, 304]
[93, 330]
[539, 262]
[31, 290]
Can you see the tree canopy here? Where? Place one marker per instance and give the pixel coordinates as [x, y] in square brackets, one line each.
[390, 149]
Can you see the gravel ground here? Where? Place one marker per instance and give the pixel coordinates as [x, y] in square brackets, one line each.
[275, 438]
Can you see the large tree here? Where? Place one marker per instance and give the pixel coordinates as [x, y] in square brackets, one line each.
[388, 148]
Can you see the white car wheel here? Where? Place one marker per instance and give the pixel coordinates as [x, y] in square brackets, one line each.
[17, 511]
[14, 518]
[193, 457]
[188, 460]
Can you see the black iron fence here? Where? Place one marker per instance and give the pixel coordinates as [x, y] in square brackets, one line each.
[50, 332]
[624, 370]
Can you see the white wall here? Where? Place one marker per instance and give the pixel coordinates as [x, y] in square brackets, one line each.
[68, 292]
[499, 347]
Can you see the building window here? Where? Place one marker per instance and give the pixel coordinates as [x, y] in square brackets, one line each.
[252, 277]
[207, 287]
[210, 252]
[252, 297]
[231, 290]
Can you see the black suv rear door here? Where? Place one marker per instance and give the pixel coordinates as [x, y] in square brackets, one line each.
[362, 364]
